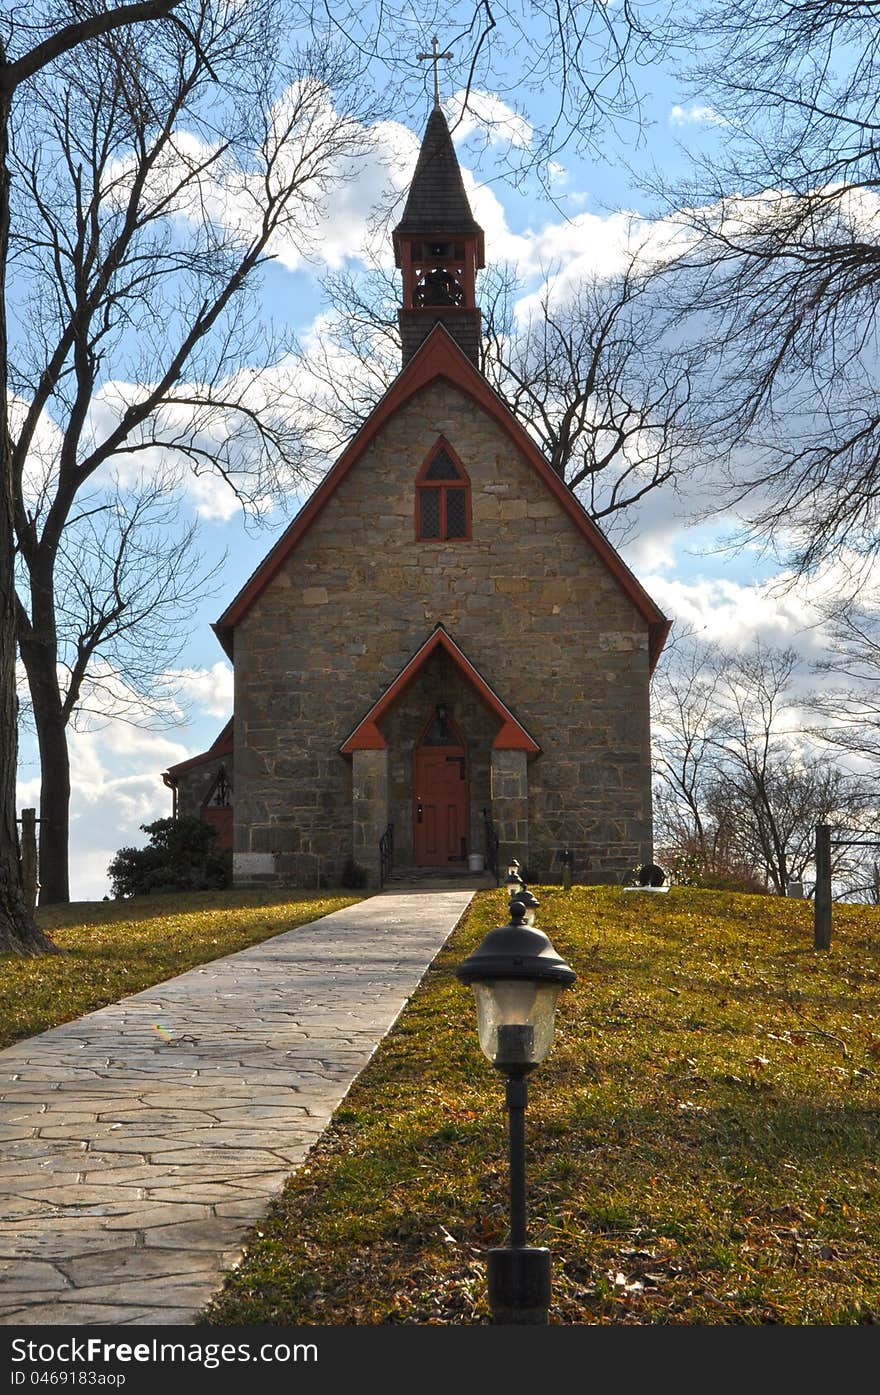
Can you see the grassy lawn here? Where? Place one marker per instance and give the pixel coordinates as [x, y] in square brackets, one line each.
[703, 1142]
[113, 948]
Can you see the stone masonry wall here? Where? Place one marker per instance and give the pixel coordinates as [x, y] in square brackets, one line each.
[194, 785]
[510, 806]
[526, 599]
[369, 808]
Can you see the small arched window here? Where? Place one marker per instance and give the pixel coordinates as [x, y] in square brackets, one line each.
[443, 497]
[219, 794]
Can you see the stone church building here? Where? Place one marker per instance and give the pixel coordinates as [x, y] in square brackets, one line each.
[442, 640]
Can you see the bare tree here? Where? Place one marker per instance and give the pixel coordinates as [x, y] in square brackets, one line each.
[782, 281]
[847, 707]
[740, 787]
[152, 176]
[32, 39]
[581, 60]
[586, 372]
[686, 737]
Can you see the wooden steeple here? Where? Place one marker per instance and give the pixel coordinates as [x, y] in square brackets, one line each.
[439, 247]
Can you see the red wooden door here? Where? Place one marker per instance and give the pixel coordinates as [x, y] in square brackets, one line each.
[440, 813]
[220, 816]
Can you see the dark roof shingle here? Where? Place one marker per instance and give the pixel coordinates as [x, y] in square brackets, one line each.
[437, 202]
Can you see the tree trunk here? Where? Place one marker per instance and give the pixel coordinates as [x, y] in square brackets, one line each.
[37, 645]
[54, 809]
[18, 929]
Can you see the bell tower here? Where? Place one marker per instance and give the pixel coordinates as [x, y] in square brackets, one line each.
[439, 248]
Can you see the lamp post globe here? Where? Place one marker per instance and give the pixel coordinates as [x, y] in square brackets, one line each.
[531, 903]
[514, 882]
[517, 976]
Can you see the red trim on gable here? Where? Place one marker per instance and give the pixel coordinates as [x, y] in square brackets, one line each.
[365, 737]
[440, 357]
[223, 746]
[510, 737]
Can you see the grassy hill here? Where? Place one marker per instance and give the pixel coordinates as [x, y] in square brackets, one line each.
[703, 1142]
[112, 948]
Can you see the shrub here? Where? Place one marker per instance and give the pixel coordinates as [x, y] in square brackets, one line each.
[180, 856]
[689, 869]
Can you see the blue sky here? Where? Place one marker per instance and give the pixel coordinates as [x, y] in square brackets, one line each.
[116, 768]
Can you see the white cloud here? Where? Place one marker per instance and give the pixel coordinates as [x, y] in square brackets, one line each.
[116, 786]
[209, 689]
[469, 111]
[781, 611]
[332, 215]
[695, 115]
[589, 246]
[116, 776]
[216, 494]
[349, 227]
[736, 615]
[41, 464]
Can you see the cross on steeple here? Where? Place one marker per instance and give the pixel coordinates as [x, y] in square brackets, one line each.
[434, 57]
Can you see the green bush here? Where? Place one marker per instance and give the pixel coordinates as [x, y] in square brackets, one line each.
[181, 856]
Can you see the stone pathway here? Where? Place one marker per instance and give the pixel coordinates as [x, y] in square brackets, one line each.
[139, 1143]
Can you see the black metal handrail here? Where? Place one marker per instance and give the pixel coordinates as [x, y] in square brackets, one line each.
[491, 840]
[386, 854]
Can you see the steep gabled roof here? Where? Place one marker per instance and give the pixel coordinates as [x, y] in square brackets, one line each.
[223, 746]
[439, 357]
[511, 735]
[437, 202]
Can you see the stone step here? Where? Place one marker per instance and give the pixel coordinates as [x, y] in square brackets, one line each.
[438, 878]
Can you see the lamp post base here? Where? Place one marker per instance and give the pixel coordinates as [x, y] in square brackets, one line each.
[519, 1285]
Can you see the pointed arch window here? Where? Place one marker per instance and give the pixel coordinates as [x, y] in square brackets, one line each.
[219, 794]
[443, 497]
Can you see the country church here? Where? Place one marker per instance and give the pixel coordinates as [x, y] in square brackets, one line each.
[442, 654]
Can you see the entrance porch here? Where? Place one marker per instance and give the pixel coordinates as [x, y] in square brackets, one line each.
[436, 755]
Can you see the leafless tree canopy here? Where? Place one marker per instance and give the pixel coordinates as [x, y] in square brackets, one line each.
[740, 788]
[586, 55]
[32, 38]
[587, 374]
[847, 707]
[783, 277]
[153, 175]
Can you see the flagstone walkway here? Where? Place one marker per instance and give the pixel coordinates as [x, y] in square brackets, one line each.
[138, 1144]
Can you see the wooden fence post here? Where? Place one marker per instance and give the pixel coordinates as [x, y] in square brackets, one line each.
[29, 856]
[822, 894]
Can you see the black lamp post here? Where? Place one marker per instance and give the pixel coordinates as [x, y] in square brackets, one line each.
[517, 977]
[529, 901]
[514, 883]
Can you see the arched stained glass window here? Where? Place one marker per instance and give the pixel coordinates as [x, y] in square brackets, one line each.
[443, 497]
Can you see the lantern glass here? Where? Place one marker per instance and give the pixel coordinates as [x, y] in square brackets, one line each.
[515, 1020]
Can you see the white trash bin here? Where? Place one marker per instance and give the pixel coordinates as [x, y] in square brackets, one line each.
[475, 862]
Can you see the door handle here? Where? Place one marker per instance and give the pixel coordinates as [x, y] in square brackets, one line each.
[419, 810]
